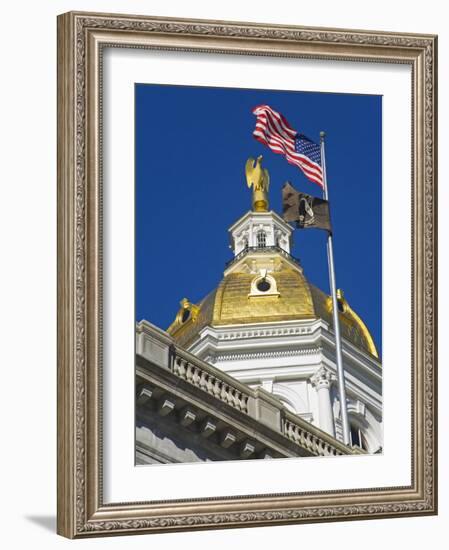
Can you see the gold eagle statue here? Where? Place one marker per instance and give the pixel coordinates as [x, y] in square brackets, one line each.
[259, 179]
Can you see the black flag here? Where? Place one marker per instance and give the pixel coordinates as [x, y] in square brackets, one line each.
[305, 210]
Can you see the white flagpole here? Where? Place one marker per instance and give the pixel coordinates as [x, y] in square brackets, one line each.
[330, 257]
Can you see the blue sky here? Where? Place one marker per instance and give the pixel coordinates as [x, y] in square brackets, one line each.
[191, 147]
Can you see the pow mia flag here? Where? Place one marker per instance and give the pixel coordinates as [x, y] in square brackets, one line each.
[305, 210]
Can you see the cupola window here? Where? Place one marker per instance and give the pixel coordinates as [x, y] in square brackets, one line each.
[261, 239]
[357, 438]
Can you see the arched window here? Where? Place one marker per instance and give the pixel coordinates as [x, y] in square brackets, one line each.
[261, 239]
[357, 438]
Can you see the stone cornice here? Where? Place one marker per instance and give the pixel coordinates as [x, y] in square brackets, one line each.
[318, 327]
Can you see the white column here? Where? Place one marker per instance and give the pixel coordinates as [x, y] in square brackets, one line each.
[322, 381]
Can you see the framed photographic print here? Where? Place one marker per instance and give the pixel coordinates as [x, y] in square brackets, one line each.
[247, 274]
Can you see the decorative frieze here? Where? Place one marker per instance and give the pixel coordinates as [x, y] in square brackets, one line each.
[263, 332]
[266, 354]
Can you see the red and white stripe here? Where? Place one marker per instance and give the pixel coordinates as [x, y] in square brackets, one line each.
[273, 130]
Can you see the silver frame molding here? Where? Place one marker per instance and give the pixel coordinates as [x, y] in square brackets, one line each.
[81, 38]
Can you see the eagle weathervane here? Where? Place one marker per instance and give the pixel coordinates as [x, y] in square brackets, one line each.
[259, 179]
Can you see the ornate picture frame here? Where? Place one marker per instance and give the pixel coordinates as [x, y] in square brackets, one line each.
[82, 40]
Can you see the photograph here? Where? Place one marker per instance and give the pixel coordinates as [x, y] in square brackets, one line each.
[258, 274]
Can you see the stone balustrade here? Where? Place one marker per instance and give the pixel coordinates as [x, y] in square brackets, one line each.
[314, 440]
[260, 408]
[198, 375]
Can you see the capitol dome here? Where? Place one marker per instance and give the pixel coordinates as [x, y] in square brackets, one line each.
[245, 296]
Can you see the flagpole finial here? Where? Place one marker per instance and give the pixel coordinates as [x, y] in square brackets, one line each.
[322, 135]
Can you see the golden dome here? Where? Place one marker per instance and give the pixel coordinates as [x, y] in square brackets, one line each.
[234, 303]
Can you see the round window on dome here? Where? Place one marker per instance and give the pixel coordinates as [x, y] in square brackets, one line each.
[263, 285]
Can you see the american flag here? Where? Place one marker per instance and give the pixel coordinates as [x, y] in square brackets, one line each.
[273, 130]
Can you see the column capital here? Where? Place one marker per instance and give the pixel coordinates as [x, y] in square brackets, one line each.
[323, 378]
